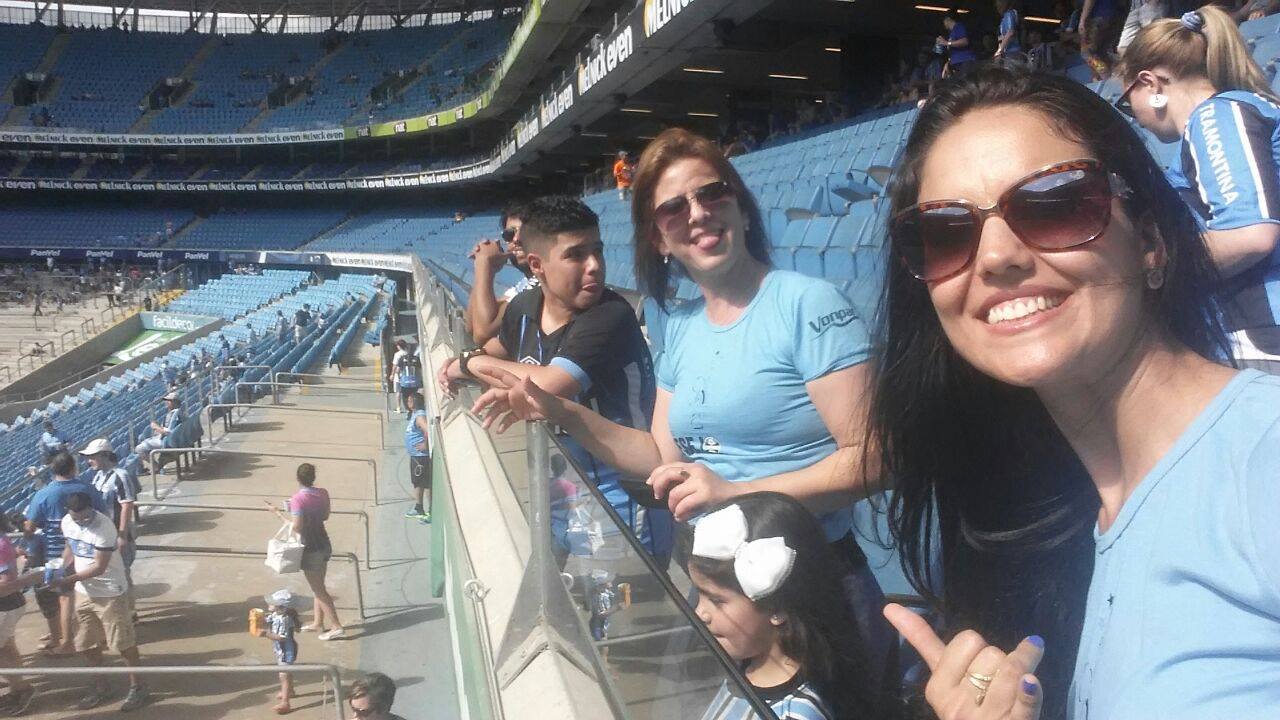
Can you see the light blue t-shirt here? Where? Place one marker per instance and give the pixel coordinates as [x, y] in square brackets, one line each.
[1183, 615]
[739, 404]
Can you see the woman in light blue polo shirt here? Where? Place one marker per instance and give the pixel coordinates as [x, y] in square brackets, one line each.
[1051, 340]
[759, 379]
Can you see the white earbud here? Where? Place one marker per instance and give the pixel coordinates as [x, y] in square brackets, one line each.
[1158, 101]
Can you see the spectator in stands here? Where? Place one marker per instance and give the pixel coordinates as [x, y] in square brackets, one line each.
[397, 359]
[960, 56]
[1141, 14]
[119, 490]
[12, 585]
[577, 339]
[484, 310]
[795, 345]
[308, 511]
[160, 432]
[762, 569]
[37, 299]
[302, 318]
[103, 616]
[147, 302]
[371, 698]
[1009, 44]
[622, 170]
[31, 547]
[224, 350]
[417, 442]
[1194, 80]
[52, 442]
[1004, 337]
[1100, 24]
[282, 327]
[44, 514]
[168, 373]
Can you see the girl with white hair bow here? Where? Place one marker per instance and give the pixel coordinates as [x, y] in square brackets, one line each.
[762, 568]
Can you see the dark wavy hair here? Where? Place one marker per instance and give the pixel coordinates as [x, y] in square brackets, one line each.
[818, 633]
[984, 481]
[671, 145]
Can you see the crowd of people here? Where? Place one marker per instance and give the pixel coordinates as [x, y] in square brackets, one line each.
[1081, 465]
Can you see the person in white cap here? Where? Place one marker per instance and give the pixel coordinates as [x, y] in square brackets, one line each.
[282, 623]
[172, 421]
[119, 490]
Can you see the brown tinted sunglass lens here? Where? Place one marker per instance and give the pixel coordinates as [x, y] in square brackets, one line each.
[947, 235]
[1060, 210]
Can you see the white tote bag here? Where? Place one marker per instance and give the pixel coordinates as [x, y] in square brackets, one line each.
[284, 551]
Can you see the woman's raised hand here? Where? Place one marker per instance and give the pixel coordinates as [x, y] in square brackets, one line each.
[971, 680]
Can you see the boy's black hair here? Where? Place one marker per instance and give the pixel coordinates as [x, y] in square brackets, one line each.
[551, 215]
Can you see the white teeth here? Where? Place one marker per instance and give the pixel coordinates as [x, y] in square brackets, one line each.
[1020, 308]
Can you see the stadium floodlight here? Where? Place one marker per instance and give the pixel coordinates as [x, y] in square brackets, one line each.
[592, 135]
[832, 49]
[636, 110]
[705, 71]
[703, 114]
[782, 76]
[1045, 20]
[939, 8]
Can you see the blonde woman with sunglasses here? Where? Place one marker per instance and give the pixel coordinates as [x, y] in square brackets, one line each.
[1193, 80]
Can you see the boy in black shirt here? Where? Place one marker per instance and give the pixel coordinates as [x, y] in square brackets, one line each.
[577, 339]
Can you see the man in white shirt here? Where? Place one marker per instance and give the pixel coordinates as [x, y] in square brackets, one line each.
[102, 610]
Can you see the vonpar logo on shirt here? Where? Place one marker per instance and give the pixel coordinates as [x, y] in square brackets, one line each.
[839, 318]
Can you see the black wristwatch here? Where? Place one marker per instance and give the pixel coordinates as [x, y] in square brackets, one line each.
[464, 357]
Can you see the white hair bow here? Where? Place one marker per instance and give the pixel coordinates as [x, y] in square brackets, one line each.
[761, 566]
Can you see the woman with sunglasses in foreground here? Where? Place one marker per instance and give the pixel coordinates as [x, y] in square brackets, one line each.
[1049, 399]
[1193, 79]
[759, 380]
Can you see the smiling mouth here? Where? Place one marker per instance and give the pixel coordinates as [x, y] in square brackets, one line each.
[1020, 308]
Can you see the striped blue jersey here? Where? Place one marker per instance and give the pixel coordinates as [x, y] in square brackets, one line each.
[793, 700]
[1231, 158]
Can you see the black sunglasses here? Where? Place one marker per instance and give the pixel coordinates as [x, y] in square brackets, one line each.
[1059, 207]
[1123, 104]
[675, 212]
[509, 234]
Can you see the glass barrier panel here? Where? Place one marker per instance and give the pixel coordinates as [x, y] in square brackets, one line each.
[659, 660]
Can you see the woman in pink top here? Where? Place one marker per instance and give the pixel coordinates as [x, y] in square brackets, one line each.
[308, 509]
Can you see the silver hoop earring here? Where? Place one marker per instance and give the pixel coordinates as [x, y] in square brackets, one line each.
[1155, 278]
[666, 259]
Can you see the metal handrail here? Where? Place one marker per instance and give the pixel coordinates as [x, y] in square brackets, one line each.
[62, 338]
[373, 465]
[8, 374]
[382, 422]
[364, 518]
[88, 327]
[199, 550]
[37, 343]
[331, 671]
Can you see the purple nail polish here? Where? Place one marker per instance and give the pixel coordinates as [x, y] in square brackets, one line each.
[1037, 641]
[1028, 687]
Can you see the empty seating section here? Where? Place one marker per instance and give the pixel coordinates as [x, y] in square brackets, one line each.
[258, 229]
[341, 86]
[232, 82]
[385, 230]
[480, 43]
[88, 226]
[122, 407]
[21, 49]
[230, 296]
[104, 75]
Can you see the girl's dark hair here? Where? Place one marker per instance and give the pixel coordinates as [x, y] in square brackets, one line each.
[978, 467]
[671, 145]
[307, 474]
[818, 633]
